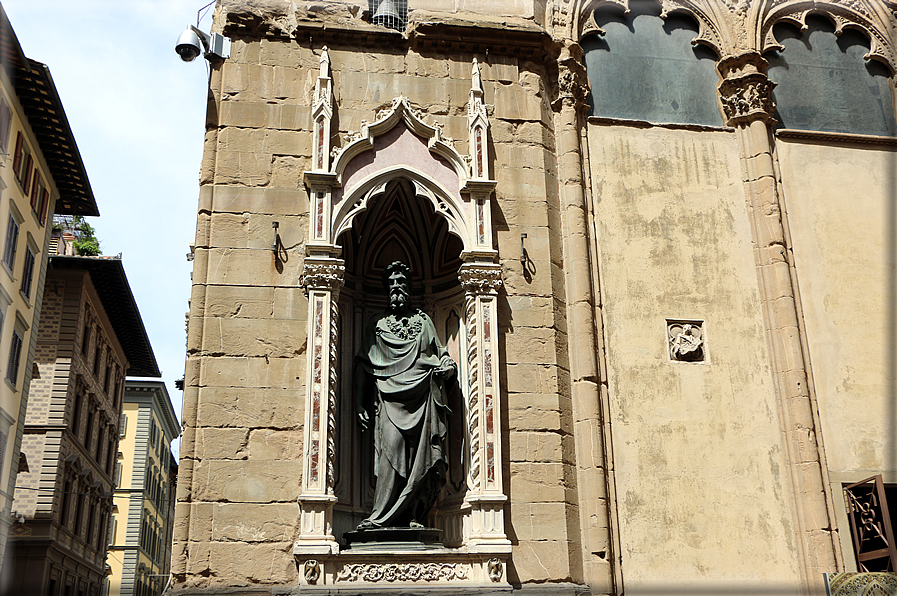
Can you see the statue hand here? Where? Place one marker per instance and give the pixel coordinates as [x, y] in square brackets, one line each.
[364, 419]
[446, 368]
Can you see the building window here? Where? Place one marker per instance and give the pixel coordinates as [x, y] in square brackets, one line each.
[76, 413]
[17, 156]
[27, 273]
[15, 353]
[85, 339]
[870, 507]
[826, 83]
[44, 206]
[37, 189]
[24, 177]
[5, 126]
[645, 67]
[12, 240]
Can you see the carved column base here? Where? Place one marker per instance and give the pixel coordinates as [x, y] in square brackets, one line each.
[315, 526]
[487, 525]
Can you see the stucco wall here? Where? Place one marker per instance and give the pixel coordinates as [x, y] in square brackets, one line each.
[842, 228]
[699, 467]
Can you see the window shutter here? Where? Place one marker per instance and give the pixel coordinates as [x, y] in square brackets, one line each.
[117, 479]
[44, 204]
[870, 525]
[3, 436]
[17, 158]
[12, 238]
[111, 537]
[26, 182]
[124, 425]
[5, 122]
[35, 190]
[28, 273]
[15, 351]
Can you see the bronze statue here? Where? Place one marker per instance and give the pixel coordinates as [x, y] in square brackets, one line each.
[401, 374]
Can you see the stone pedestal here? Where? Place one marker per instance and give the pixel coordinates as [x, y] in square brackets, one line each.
[397, 539]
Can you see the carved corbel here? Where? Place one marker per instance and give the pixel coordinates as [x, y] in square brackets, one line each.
[746, 92]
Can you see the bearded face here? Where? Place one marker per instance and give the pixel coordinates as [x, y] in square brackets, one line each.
[399, 291]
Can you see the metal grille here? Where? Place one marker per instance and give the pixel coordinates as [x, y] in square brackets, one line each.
[392, 14]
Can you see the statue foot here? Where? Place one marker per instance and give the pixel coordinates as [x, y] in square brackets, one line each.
[415, 524]
[366, 525]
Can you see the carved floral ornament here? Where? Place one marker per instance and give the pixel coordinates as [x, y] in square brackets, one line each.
[480, 279]
[322, 275]
[402, 572]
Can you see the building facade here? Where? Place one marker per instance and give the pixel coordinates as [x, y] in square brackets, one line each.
[90, 336]
[143, 515]
[40, 174]
[656, 237]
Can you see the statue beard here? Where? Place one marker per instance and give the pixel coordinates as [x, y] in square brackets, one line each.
[398, 299]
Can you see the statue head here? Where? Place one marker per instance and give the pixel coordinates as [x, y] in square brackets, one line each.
[397, 282]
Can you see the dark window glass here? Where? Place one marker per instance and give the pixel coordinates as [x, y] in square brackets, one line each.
[645, 68]
[27, 273]
[15, 352]
[825, 84]
[12, 240]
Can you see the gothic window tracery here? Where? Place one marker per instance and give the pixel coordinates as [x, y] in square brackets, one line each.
[644, 67]
[824, 83]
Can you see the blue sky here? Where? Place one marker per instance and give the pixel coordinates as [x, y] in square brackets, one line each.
[138, 115]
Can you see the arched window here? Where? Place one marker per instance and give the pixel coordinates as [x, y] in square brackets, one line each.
[825, 84]
[645, 68]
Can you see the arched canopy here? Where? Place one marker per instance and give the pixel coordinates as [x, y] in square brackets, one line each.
[400, 145]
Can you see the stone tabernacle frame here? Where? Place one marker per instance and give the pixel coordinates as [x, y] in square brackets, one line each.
[459, 188]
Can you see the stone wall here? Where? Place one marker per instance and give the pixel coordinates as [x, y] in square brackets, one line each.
[696, 444]
[248, 327]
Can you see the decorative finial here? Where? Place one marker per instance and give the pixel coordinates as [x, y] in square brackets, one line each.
[325, 63]
[476, 80]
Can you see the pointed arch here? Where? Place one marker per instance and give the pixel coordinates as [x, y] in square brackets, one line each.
[858, 15]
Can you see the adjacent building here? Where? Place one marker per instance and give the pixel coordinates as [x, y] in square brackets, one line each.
[89, 338]
[41, 173]
[142, 513]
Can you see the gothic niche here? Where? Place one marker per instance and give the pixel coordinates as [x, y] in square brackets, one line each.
[398, 225]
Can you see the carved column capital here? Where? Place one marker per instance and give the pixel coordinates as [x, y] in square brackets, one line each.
[746, 92]
[322, 275]
[480, 278]
[573, 82]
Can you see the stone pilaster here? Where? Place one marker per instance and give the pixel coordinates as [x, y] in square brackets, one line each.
[746, 96]
[486, 532]
[322, 278]
[598, 551]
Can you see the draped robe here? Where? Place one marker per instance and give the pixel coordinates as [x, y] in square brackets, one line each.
[409, 422]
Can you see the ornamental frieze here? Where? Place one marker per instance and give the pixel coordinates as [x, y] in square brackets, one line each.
[403, 572]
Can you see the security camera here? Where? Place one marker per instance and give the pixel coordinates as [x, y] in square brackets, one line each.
[189, 45]
[194, 42]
